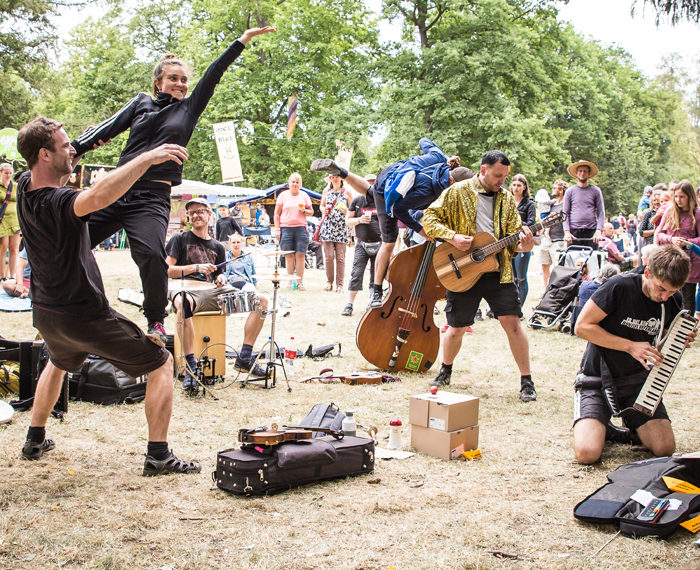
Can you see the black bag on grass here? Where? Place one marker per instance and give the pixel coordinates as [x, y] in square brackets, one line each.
[101, 382]
[612, 503]
[262, 471]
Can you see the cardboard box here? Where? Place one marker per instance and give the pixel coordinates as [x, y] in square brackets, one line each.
[443, 411]
[444, 444]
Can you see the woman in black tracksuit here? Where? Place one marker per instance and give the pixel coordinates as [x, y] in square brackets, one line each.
[144, 211]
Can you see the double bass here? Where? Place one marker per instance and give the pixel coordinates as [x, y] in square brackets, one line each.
[401, 334]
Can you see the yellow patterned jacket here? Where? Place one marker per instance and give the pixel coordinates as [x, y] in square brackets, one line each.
[454, 212]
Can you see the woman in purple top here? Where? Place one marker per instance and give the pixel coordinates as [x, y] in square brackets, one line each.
[680, 224]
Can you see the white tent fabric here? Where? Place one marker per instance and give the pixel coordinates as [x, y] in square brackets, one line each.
[204, 189]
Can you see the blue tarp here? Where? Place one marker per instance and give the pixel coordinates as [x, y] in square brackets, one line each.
[269, 192]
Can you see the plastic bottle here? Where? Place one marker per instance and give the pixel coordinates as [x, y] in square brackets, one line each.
[394, 434]
[349, 425]
[290, 352]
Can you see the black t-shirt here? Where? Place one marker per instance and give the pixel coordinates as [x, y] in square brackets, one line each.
[227, 226]
[65, 275]
[630, 314]
[188, 248]
[556, 233]
[366, 232]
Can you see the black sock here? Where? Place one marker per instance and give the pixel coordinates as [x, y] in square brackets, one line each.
[526, 379]
[379, 288]
[246, 352]
[158, 449]
[191, 361]
[36, 434]
[447, 368]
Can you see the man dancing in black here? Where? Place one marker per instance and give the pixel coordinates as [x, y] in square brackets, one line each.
[70, 308]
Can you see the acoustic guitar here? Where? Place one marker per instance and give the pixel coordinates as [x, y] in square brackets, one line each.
[459, 270]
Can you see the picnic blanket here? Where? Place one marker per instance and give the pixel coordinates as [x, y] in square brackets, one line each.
[12, 304]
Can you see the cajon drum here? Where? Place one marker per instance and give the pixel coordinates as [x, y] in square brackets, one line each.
[209, 329]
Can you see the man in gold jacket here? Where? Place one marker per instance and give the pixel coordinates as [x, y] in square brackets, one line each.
[481, 204]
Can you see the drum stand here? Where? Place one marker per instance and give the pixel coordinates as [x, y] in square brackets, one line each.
[270, 347]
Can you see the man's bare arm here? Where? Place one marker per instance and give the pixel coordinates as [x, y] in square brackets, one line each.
[116, 183]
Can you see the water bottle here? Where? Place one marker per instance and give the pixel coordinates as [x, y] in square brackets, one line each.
[290, 352]
[349, 425]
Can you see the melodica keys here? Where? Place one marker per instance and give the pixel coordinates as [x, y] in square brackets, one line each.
[673, 347]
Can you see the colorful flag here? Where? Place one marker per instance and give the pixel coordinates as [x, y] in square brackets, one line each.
[292, 116]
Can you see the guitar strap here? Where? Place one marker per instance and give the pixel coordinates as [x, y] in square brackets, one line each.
[8, 195]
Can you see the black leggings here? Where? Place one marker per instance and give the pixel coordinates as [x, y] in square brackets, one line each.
[143, 213]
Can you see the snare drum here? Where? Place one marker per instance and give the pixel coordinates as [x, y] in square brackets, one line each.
[237, 302]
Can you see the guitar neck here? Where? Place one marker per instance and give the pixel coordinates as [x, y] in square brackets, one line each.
[503, 243]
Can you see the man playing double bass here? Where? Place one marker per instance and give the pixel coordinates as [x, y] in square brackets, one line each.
[399, 188]
[480, 204]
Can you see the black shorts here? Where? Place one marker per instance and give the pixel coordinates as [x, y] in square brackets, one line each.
[388, 226]
[70, 338]
[294, 239]
[501, 297]
[592, 403]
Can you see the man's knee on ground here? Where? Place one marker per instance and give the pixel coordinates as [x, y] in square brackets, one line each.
[589, 440]
[587, 453]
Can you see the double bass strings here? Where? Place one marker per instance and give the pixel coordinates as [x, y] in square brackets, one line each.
[418, 286]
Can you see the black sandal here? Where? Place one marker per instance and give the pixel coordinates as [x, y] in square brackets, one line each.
[171, 464]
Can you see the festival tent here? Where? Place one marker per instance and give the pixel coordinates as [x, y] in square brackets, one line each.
[215, 194]
[268, 200]
[269, 195]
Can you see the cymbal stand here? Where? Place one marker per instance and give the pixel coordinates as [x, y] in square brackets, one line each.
[274, 359]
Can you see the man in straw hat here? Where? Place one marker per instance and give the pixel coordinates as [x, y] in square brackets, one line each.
[583, 206]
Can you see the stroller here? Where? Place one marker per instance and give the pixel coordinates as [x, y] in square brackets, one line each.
[560, 296]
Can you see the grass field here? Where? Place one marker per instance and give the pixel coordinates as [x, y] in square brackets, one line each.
[85, 505]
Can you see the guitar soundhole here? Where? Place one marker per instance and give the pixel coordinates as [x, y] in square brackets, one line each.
[478, 255]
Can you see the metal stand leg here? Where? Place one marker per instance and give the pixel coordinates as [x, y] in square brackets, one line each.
[270, 345]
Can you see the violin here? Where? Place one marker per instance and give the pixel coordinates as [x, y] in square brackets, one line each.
[401, 334]
[271, 437]
[263, 436]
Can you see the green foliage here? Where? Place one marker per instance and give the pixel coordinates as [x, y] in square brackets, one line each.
[470, 74]
[322, 53]
[27, 34]
[505, 74]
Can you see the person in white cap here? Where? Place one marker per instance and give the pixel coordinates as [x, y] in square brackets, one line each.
[584, 206]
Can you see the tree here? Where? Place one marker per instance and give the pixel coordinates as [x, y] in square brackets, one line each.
[505, 74]
[678, 10]
[321, 53]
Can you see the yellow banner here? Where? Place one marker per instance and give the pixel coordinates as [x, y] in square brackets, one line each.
[693, 525]
[680, 486]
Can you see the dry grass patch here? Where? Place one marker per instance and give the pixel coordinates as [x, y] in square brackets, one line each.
[86, 505]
